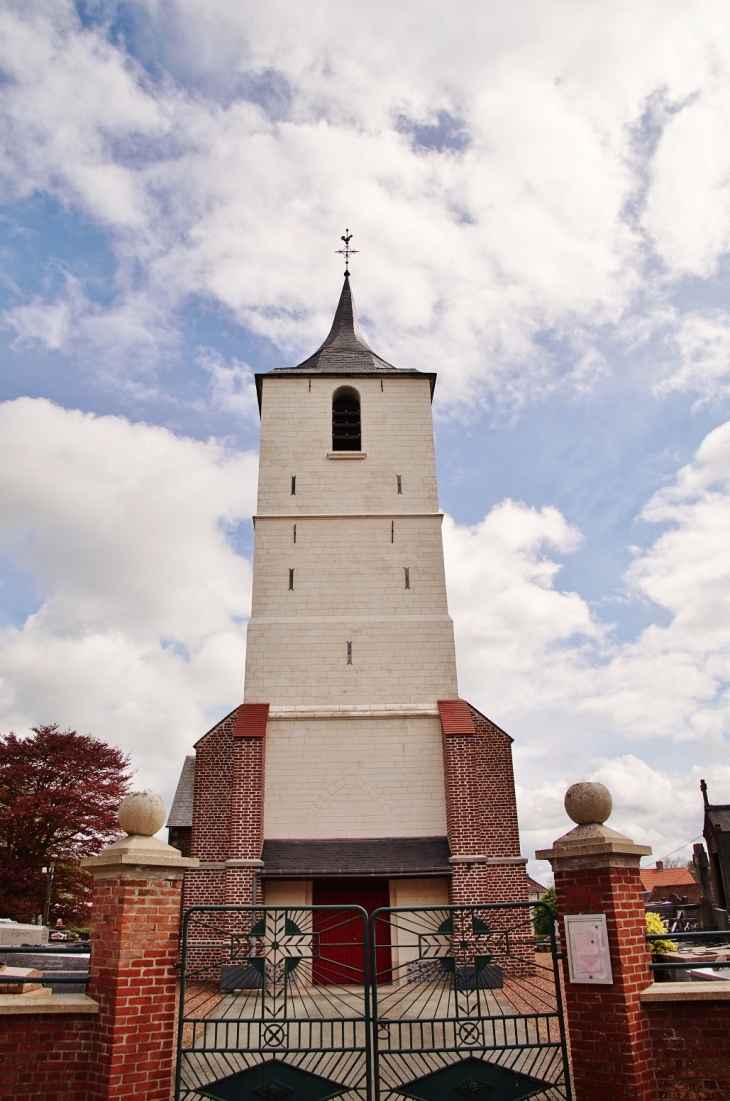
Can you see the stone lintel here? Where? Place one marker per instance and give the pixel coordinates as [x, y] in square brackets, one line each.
[244, 863]
[138, 856]
[13, 1004]
[479, 858]
[300, 714]
[593, 846]
[711, 991]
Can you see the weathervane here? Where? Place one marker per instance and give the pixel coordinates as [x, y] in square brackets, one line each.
[347, 252]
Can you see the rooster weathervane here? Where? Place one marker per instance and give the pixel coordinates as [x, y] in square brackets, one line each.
[347, 252]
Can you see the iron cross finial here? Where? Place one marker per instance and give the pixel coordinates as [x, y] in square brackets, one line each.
[347, 252]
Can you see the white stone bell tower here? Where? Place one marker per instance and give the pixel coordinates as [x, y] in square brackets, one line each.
[350, 641]
[352, 761]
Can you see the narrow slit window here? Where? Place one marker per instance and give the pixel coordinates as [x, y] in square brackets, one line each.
[349, 653]
[400, 483]
[291, 579]
[346, 434]
[295, 534]
[293, 484]
[381, 386]
[408, 576]
[392, 531]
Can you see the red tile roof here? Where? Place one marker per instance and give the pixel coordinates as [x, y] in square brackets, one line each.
[665, 877]
[456, 717]
[251, 720]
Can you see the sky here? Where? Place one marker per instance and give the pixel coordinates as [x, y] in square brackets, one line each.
[540, 196]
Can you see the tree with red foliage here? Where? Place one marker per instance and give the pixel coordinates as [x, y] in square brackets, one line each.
[59, 794]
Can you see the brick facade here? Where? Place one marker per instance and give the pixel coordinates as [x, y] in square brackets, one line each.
[228, 811]
[481, 814]
[134, 952]
[211, 828]
[691, 1046]
[45, 1056]
[610, 1018]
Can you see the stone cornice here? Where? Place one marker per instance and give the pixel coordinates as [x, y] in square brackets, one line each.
[137, 855]
[593, 846]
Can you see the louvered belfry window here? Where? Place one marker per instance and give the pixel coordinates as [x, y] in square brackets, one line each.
[346, 434]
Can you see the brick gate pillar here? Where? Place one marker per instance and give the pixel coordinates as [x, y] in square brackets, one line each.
[135, 923]
[597, 872]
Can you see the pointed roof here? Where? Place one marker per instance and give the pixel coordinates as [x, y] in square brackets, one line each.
[345, 351]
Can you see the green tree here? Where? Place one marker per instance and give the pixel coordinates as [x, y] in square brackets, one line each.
[540, 918]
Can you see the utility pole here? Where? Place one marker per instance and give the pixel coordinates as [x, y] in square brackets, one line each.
[49, 887]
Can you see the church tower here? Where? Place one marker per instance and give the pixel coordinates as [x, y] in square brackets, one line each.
[352, 772]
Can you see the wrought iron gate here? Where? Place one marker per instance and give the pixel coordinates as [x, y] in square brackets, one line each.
[468, 1009]
[316, 1002]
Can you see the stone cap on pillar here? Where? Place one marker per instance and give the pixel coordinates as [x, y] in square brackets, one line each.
[592, 844]
[140, 854]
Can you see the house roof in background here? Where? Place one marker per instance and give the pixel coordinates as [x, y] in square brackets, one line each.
[665, 877]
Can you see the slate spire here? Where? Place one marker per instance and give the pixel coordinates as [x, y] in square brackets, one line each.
[345, 349]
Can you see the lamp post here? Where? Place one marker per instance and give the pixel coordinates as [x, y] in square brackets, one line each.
[48, 872]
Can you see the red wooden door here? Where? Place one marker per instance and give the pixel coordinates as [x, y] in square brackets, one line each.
[341, 958]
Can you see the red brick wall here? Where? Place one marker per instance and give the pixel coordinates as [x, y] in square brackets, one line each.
[691, 1045]
[609, 1033]
[495, 789]
[45, 1057]
[211, 831]
[247, 799]
[481, 813]
[212, 804]
[228, 814]
[134, 950]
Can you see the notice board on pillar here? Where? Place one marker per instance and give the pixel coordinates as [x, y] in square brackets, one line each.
[589, 959]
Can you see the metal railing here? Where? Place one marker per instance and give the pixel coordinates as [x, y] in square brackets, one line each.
[48, 978]
[698, 937]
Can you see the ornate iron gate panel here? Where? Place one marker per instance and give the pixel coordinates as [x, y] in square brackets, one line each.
[274, 1004]
[315, 1002]
[467, 1008]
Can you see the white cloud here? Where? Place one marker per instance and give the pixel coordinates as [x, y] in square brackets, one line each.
[139, 633]
[231, 178]
[511, 622]
[688, 207]
[703, 340]
[232, 386]
[541, 663]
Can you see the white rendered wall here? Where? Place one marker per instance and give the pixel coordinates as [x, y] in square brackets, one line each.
[404, 928]
[349, 585]
[296, 436]
[287, 892]
[349, 777]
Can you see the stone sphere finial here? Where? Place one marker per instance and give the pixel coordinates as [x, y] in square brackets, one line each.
[588, 803]
[142, 813]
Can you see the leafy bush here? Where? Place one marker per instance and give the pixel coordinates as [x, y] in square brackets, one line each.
[654, 924]
[540, 919]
